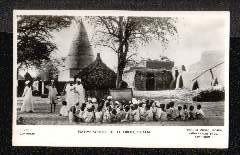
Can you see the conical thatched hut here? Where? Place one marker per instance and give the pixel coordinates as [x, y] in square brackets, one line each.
[79, 56]
[97, 78]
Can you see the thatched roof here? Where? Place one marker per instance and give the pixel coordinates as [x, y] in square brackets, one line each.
[97, 75]
[20, 77]
[80, 54]
[27, 76]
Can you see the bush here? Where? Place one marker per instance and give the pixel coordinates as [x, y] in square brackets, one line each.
[211, 95]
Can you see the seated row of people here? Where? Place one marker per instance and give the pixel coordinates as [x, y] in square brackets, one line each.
[109, 111]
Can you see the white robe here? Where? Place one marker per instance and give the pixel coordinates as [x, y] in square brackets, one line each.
[80, 93]
[71, 98]
[27, 105]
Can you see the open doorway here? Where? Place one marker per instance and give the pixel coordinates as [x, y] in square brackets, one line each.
[150, 81]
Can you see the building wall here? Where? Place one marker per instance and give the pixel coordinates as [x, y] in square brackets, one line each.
[154, 64]
[140, 80]
[162, 80]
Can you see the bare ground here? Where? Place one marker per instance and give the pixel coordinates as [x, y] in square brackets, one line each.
[214, 112]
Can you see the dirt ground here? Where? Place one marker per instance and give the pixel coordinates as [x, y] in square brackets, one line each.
[214, 112]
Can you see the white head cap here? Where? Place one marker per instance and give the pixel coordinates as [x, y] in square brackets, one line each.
[157, 103]
[109, 97]
[89, 106]
[94, 100]
[134, 101]
[79, 80]
[27, 82]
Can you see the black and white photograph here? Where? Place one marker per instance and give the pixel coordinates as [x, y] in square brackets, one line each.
[127, 69]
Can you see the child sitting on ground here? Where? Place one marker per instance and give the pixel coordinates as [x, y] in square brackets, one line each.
[142, 110]
[192, 114]
[199, 112]
[126, 114]
[185, 112]
[98, 114]
[106, 113]
[149, 113]
[135, 113]
[64, 110]
[163, 113]
[158, 111]
[120, 112]
[88, 115]
[113, 116]
[81, 112]
[173, 110]
[71, 114]
[180, 113]
[169, 112]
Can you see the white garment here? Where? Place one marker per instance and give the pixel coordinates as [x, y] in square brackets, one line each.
[35, 85]
[27, 100]
[70, 96]
[64, 110]
[178, 81]
[80, 93]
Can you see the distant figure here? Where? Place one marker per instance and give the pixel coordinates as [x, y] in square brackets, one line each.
[27, 105]
[52, 94]
[179, 82]
[80, 92]
[195, 85]
[174, 81]
[214, 82]
[123, 84]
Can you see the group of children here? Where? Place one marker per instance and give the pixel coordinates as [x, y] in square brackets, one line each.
[109, 111]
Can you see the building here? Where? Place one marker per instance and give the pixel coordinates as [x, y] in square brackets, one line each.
[150, 75]
[80, 55]
[97, 78]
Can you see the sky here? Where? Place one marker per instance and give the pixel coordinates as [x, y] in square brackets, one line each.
[195, 35]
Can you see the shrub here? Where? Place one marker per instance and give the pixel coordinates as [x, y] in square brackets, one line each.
[211, 95]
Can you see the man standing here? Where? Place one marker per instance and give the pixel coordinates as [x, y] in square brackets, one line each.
[80, 91]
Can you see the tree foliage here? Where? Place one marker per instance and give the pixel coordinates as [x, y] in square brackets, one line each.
[125, 34]
[34, 38]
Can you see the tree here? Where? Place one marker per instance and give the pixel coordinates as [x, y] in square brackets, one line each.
[34, 43]
[51, 67]
[124, 34]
